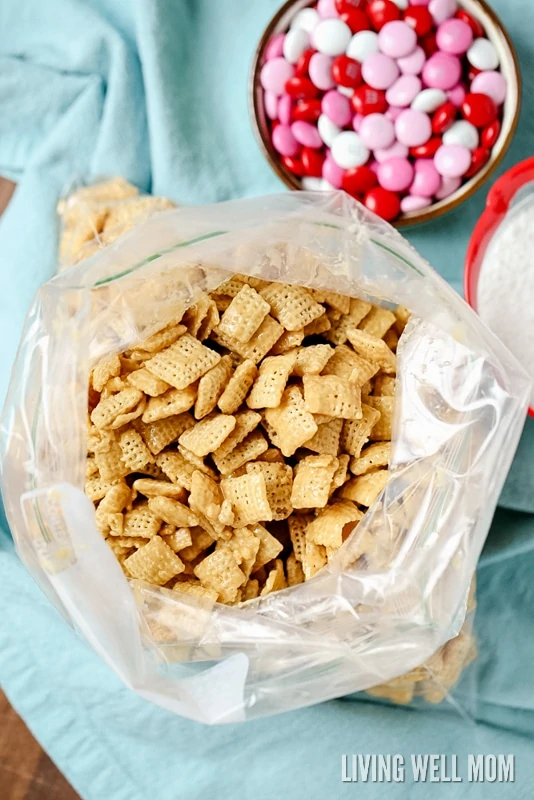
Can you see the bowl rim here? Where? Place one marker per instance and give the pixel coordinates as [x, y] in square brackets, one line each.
[436, 210]
[498, 203]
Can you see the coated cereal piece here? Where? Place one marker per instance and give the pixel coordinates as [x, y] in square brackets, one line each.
[178, 540]
[219, 571]
[206, 495]
[200, 541]
[107, 411]
[340, 475]
[263, 340]
[248, 496]
[402, 315]
[195, 589]
[106, 368]
[271, 433]
[170, 404]
[244, 544]
[312, 480]
[272, 456]
[297, 524]
[314, 559]
[176, 468]
[97, 488]
[91, 469]
[208, 434]
[108, 457]
[197, 313]
[276, 579]
[244, 315]
[248, 450]
[291, 421]
[271, 381]
[128, 541]
[288, 341]
[141, 521]
[252, 280]
[113, 386]
[356, 433]
[295, 573]
[374, 456]
[144, 380]
[238, 387]
[345, 363]
[155, 562]
[340, 302]
[269, 548]
[211, 386]
[279, 483]
[245, 423]
[365, 489]
[154, 488]
[293, 306]
[198, 463]
[251, 590]
[327, 527]
[226, 515]
[391, 338]
[135, 453]
[373, 349]
[115, 500]
[326, 440]
[154, 471]
[328, 394]
[382, 427]
[383, 386]
[124, 419]
[210, 321]
[157, 435]
[172, 511]
[322, 419]
[183, 362]
[377, 322]
[318, 326]
[358, 310]
[230, 287]
[161, 339]
[221, 301]
[312, 360]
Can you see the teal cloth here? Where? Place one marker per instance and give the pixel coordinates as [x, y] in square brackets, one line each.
[156, 90]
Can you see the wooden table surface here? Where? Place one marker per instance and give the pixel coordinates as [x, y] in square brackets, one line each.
[26, 772]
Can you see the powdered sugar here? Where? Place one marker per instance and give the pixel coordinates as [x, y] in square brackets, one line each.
[505, 295]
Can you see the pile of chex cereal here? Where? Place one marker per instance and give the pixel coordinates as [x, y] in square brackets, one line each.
[231, 454]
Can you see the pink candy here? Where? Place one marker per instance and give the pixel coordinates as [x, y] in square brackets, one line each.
[448, 187]
[332, 172]
[404, 91]
[397, 150]
[442, 71]
[275, 48]
[454, 36]
[491, 83]
[413, 203]
[427, 179]
[442, 10]
[380, 71]
[270, 101]
[327, 9]
[285, 106]
[457, 95]
[320, 71]
[413, 128]
[275, 74]
[306, 134]
[377, 131]
[452, 160]
[284, 141]
[414, 63]
[395, 174]
[337, 108]
[397, 39]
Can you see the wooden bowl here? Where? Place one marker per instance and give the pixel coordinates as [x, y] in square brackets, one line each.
[495, 31]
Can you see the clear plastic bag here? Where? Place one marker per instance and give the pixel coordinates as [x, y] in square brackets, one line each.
[460, 405]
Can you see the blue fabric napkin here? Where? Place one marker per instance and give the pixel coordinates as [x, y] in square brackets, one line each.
[156, 90]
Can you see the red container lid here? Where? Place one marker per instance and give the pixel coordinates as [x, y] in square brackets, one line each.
[499, 200]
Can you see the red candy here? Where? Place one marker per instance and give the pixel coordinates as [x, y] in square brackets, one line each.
[443, 118]
[359, 180]
[479, 109]
[474, 24]
[427, 150]
[312, 162]
[490, 134]
[346, 6]
[307, 110]
[301, 88]
[420, 19]
[472, 73]
[429, 44]
[301, 67]
[385, 204]
[356, 20]
[347, 72]
[382, 11]
[294, 165]
[480, 158]
[369, 101]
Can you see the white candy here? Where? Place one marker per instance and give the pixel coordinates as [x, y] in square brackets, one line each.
[463, 133]
[296, 42]
[307, 19]
[402, 4]
[311, 184]
[362, 45]
[429, 100]
[328, 130]
[346, 90]
[483, 55]
[349, 151]
[331, 37]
